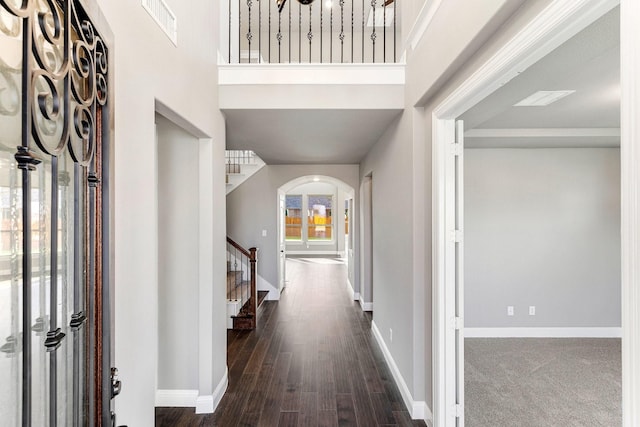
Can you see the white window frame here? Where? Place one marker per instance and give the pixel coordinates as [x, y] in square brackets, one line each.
[302, 210]
[306, 221]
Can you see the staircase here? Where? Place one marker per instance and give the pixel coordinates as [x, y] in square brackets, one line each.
[240, 166]
[243, 298]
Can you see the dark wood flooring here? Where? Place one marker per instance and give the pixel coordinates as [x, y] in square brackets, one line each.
[312, 361]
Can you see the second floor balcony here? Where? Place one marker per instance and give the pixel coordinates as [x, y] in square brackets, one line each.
[311, 31]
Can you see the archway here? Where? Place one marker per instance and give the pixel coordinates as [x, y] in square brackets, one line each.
[315, 217]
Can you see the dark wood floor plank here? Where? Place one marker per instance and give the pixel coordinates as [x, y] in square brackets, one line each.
[328, 418]
[240, 363]
[270, 413]
[257, 356]
[257, 395]
[368, 367]
[310, 367]
[361, 399]
[288, 419]
[403, 419]
[341, 367]
[308, 414]
[312, 361]
[346, 411]
[177, 417]
[326, 386]
[382, 408]
[291, 400]
[297, 365]
[248, 419]
[235, 343]
[234, 409]
[274, 348]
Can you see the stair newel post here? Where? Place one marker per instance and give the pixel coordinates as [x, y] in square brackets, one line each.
[253, 259]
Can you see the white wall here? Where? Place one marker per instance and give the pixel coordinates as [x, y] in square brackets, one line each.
[245, 223]
[178, 256]
[459, 38]
[542, 228]
[389, 163]
[147, 73]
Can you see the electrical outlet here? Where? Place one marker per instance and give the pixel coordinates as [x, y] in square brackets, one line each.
[390, 335]
[532, 310]
[510, 310]
[264, 233]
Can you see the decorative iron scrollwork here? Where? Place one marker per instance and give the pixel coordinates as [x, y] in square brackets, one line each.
[54, 87]
[68, 76]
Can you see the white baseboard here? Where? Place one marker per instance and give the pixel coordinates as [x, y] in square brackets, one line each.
[366, 306]
[356, 295]
[221, 388]
[206, 404]
[176, 398]
[542, 332]
[418, 409]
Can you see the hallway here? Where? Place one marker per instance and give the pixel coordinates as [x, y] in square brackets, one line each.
[312, 361]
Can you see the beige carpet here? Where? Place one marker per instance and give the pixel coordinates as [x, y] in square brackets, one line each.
[547, 382]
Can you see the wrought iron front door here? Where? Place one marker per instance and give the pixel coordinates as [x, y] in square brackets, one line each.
[54, 306]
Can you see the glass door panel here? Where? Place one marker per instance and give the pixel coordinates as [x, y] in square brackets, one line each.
[10, 220]
[40, 290]
[50, 206]
[65, 288]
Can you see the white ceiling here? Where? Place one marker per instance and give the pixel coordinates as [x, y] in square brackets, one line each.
[588, 63]
[307, 136]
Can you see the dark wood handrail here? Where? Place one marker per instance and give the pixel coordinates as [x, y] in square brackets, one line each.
[241, 249]
[251, 308]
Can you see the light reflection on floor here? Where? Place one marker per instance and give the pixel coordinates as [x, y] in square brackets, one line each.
[326, 261]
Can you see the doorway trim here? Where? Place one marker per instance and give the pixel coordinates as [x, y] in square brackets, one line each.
[558, 22]
[290, 185]
[366, 243]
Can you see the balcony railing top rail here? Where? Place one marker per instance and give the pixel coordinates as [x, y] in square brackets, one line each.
[308, 31]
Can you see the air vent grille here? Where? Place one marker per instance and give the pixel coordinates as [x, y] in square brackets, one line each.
[165, 18]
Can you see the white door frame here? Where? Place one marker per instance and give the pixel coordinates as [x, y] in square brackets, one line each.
[553, 26]
[366, 243]
[630, 165]
[282, 243]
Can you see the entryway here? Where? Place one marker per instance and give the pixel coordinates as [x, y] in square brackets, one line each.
[315, 220]
[450, 235]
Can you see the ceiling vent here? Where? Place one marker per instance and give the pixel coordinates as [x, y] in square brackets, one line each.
[543, 98]
[164, 17]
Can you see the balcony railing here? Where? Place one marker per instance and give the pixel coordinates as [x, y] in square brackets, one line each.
[308, 31]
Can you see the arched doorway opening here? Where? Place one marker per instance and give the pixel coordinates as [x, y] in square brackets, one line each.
[316, 218]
